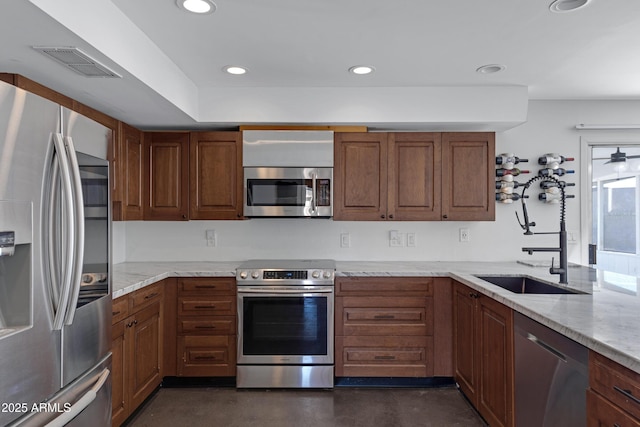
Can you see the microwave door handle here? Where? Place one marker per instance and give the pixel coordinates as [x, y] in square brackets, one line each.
[78, 256]
[314, 188]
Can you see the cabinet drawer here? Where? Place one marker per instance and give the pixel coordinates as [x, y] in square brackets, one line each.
[119, 309]
[384, 316]
[222, 305]
[384, 356]
[225, 285]
[218, 325]
[601, 412]
[384, 285]
[615, 382]
[206, 355]
[145, 296]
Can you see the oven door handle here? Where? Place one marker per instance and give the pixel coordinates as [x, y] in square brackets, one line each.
[276, 292]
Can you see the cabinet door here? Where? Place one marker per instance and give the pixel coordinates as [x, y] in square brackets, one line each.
[129, 173]
[468, 176]
[166, 176]
[414, 176]
[146, 353]
[495, 402]
[119, 407]
[603, 413]
[215, 182]
[465, 344]
[360, 176]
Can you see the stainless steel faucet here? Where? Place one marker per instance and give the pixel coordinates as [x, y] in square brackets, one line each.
[563, 269]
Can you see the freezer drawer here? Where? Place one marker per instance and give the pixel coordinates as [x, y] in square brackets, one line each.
[85, 402]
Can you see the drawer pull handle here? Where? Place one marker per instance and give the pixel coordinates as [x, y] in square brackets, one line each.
[385, 357]
[151, 295]
[205, 306]
[113, 313]
[205, 358]
[205, 327]
[205, 286]
[384, 316]
[627, 394]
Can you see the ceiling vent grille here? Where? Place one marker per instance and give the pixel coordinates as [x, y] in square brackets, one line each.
[78, 61]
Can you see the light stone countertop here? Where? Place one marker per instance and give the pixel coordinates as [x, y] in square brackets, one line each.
[606, 319]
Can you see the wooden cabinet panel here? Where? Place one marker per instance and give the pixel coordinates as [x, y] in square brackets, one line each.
[616, 384]
[207, 355]
[602, 413]
[215, 183]
[387, 316]
[145, 296]
[468, 176]
[166, 176]
[119, 309]
[419, 286]
[145, 360]
[207, 306]
[119, 385]
[200, 286]
[128, 176]
[414, 176]
[215, 325]
[360, 176]
[483, 354]
[442, 327]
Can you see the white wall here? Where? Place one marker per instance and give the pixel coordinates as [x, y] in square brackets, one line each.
[550, 128]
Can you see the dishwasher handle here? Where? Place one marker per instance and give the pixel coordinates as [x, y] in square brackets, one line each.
[557, 353]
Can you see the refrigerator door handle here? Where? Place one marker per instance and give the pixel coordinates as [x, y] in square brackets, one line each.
[78, 235]
[62, 288]
[82, 403]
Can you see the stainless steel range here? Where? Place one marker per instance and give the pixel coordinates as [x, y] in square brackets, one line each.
[285, 324]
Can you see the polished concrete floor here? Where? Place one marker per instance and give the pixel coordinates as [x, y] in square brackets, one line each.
[353, 407]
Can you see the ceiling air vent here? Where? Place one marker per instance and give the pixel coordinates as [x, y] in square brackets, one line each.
[78, 61]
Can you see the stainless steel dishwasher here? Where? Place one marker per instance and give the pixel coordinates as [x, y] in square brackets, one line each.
[551, 376]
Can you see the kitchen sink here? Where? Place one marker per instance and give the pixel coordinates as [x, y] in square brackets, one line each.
[526, 285]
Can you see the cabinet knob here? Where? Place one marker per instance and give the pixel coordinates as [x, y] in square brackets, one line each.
[184, 217]
[391, 216]
[382, 216]
[445, 216]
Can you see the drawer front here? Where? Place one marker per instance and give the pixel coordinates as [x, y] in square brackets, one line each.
[145, 296]
[616, 383]
[385, 356]
[218, 325]
[601, 412]
[206, 356]
[385, 316]
[384, 285]
[119, 309]
[225, 286]
[222, 306]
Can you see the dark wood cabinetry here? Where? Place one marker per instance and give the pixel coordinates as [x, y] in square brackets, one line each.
[137, 346]
[384, 327]
[483, 354]
[417, 176]
[215, 182]
[127, 165]
[206, 327]
[613, 398]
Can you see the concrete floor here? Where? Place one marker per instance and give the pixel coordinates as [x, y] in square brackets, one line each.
[353, 407]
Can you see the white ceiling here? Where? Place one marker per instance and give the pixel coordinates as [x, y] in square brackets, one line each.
[172, 61]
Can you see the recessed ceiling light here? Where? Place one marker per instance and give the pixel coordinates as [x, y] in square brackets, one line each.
[560, 6]
[234, 69]
[361, 69]
[490, 69]
[197, 6]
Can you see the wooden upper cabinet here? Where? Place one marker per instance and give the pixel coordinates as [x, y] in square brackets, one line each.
[360, 176]
[127, 179]
[215, 182]
[468, 176]
[414, 176]
[166, 191]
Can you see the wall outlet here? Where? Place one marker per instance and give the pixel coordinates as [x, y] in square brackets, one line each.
[465, 235]
[211, 237]
[345, 240]
[396, 239]
[411, 240]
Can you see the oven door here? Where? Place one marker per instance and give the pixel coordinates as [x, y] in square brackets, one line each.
[286, 326]
[288, 192]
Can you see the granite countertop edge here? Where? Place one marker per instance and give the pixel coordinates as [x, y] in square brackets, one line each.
[602, 320]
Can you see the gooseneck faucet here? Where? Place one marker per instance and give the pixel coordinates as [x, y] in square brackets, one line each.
[562, 270]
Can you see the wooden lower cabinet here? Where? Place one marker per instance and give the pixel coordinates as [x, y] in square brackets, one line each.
[483, 354]
[613, 398]
[384, 327]
[137, 346]
[206, 327]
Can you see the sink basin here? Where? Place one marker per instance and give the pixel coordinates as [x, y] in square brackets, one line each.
[526, 285]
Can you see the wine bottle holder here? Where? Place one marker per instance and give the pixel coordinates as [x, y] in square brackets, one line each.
[506, 172]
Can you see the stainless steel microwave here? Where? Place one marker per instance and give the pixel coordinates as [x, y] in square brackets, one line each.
[288, 192]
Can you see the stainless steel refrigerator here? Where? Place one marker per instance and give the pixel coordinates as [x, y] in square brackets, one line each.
[55, 282]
